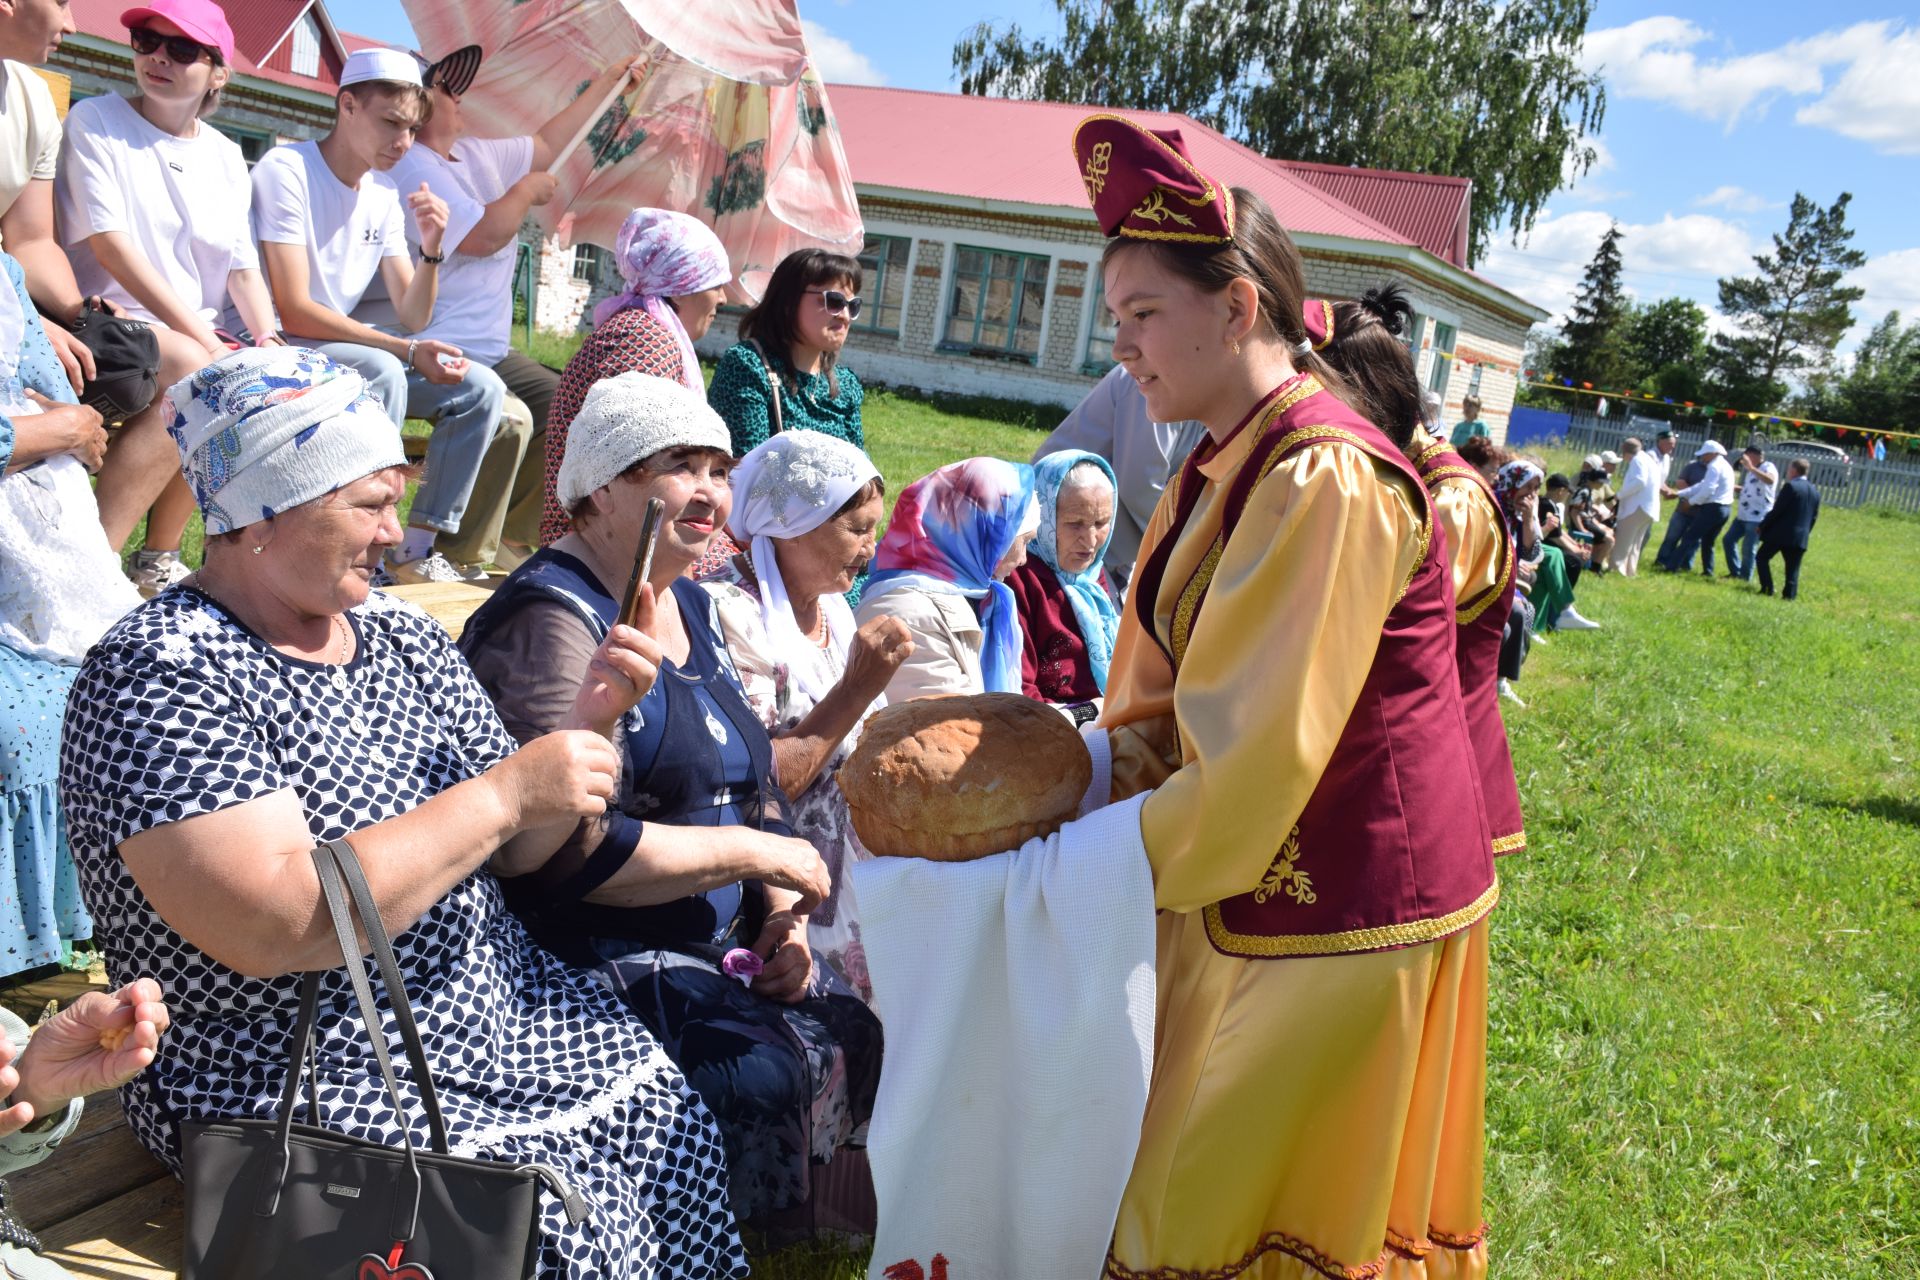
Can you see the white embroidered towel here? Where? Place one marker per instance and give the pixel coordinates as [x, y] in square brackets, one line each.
[1018, 997]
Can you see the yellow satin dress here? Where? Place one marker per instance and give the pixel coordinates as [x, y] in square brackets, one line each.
[1463, 511]
[1308, 1117]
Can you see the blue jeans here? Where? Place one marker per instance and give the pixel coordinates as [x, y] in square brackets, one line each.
[464, 417]
[1703, 525]
[1742, 537]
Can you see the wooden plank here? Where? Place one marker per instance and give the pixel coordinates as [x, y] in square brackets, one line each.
[137, 1236]
[28, 1000]
[449, 603]
[101, 1161]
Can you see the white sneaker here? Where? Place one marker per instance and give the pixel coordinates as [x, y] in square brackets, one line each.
[1570, 620]
[1536, 637]
[155, 571]
[1506, 691]
[432, 567]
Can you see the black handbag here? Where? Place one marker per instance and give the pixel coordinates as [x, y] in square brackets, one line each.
[126, 362]
[299, 1202]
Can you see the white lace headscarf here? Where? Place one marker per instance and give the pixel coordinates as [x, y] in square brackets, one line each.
[787, 488]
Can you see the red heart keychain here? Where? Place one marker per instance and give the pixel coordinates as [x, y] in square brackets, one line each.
[374, 1267]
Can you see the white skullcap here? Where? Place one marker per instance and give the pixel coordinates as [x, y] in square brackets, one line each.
[628, 418]
[379, 64]
[1711, 448]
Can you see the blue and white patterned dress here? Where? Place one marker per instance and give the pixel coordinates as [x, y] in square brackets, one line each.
[181, 711]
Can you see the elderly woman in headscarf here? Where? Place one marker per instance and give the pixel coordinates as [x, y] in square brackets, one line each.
[676, 271]
[690, 897]
[1068, 619]
[271, 701]
[805, 508]
[1516, 488]
[955, 535]
[60, 589]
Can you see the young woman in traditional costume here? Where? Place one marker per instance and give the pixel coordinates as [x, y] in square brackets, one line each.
[1362, 340]
[1284, 685]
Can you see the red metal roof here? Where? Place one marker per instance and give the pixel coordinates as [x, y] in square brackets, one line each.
[258, 26]
[1430, 210]
[1022, 152]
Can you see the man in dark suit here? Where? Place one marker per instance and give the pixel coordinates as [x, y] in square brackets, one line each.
[1787, 527]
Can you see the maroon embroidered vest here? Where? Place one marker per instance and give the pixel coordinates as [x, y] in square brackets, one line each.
[1391, 847]
[1482, 621]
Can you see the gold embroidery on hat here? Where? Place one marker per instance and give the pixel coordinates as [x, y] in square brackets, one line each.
[1284, 874]
[1154, 209]
[1098, 165]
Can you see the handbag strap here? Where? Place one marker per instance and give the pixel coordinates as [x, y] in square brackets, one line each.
[406, 1204]
[376, 933]
[773, 383]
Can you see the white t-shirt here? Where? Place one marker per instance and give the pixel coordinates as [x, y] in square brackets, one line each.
[346, 230]
[184, 202]
[29, 132]
[474, 308]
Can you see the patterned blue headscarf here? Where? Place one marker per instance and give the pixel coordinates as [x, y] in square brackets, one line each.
[1093, 609]
[949, 531]
[268, 428]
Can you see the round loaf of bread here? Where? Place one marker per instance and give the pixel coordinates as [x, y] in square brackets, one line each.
[959, 778]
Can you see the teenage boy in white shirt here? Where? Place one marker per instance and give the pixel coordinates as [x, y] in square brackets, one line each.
[329, 221]
[489, 185]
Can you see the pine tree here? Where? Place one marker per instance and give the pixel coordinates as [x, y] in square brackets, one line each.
[1790, 316]
[1595, 330]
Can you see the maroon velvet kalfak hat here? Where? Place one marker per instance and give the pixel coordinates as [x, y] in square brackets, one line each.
[1142, 184]
[1317, 315]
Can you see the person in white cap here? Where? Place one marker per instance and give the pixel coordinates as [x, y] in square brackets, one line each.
[330, 222]
[1708, 501]
[489, 185]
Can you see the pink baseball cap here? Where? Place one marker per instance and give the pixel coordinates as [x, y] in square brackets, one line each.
[202, 20]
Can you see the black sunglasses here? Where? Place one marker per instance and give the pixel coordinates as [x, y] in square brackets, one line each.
[179, 49]
[836, 302]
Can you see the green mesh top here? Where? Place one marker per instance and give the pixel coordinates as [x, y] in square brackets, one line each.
[739, 394]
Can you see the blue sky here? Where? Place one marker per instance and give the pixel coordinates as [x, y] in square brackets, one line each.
[1717, 113]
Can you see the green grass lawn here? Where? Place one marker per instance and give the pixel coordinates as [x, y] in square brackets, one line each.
[1706, 983]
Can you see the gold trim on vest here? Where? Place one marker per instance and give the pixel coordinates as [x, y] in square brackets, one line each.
[1406, 934]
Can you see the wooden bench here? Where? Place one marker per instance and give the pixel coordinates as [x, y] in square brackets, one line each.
[100, 1204]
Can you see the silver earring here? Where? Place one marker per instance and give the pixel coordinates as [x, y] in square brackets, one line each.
[258, 547]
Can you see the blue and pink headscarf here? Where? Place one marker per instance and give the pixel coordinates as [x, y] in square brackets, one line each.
[949, 531]
[662, 254]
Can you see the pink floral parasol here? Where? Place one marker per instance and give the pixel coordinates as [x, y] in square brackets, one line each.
[729, 121]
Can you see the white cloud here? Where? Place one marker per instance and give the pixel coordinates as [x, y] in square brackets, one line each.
[1682, 256]
[837, 60]
[1588, 188]
[1734, 200]
[1892, 282]
[1875, 96]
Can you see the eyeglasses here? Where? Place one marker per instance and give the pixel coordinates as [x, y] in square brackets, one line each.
[179, 49]
[836, 302]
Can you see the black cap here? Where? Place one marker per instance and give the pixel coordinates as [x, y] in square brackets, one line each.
[455, 72]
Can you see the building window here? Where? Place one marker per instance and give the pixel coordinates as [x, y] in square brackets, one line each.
[1412, 337]
[1101, 330]
[252, 145]
[1473, 387]
[587, 261]
[1443, 339]
[998, 300]
[306, 46]
[884, 263]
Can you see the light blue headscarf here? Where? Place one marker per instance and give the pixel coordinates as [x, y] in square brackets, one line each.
[1093, 608]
